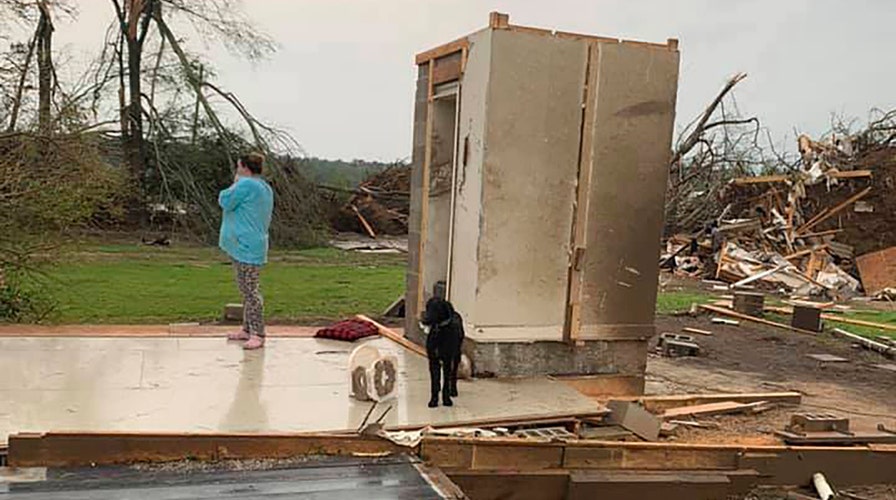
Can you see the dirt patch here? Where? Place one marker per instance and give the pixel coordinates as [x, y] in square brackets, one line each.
[755, 358]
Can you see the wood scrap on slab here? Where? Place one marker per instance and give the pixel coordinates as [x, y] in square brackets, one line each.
[394, 336]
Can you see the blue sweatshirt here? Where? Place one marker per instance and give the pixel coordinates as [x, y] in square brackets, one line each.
[247, 207]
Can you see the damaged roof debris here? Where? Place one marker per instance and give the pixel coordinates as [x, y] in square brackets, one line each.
[801, 232]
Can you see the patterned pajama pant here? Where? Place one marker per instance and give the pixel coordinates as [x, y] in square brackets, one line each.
[247, 279]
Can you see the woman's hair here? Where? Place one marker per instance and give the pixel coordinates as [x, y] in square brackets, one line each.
[254, 162]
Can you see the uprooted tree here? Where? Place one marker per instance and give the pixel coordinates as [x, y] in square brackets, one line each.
[178, 148]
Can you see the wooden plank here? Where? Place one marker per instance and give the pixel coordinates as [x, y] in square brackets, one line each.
[852, 174]
[764, 179]
[394, 336]
[868, 343]
[858, 322]
[776, 465]
[440, 482]
[447, 454]
[579, 233]
[442, 50]
[745, 317]
[660, 404]
[424, 193]
[447, 68]
[805, 252]
[364, 222]
[835, 210]
[498, 20]
[759, 179]
[722, 255]
[495, 457]
[696, 331]
[81, 449]
[668, 485]
[829, 232]
[837, 438]
[512, 485]
[707, 409]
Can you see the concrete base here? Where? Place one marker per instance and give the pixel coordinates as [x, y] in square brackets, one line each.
[526, 359]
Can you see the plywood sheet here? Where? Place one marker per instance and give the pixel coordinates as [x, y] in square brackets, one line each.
[636, 92]
[534, 117]
[878, 270]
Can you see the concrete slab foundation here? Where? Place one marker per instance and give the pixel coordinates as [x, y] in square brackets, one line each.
[210, 385]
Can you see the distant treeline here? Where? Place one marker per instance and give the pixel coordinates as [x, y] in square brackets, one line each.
[339, 173]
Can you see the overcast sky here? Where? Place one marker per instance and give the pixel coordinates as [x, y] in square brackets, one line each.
[342, 81]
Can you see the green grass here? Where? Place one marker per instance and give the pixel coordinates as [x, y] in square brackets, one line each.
[673, 302]
[128, 284]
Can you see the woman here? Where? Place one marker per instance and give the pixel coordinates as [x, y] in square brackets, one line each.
[247, 205]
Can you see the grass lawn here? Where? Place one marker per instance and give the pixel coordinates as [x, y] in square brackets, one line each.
[139, 284]
[132, 284]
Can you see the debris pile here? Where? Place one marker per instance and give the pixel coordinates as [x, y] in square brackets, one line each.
[800, 233]
[379, 205]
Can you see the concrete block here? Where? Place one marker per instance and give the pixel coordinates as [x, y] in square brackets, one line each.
[233, 312]
[806, 318]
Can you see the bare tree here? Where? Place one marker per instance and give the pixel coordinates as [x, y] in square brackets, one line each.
[220, 19]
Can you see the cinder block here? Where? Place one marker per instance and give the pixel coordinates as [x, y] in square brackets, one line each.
[233, 312]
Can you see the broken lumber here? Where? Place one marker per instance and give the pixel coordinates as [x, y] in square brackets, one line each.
[868, 343]
[364, 222]
[697, 331]
[777, 465]
[759, 276]
[658, 404]
[394, 336]
[836, 438]
[708, 409]
[833, 211]
[733, 314]
[725, 321]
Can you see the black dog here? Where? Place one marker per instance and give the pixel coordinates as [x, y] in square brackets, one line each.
[445, 335]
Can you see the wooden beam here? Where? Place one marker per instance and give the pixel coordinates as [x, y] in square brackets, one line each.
[424, 191]
[658, 404]
[707, 409]
[829, 232]
[775, 465]
[442, 50]
[498, 20]
[760, 179]
[364, 222]
[746, 317]
[883, 349]
[833, 211]
[579, 228]
[836, 318]
[764, 179]
[394, 336]
[805, 252]
[70, 449]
